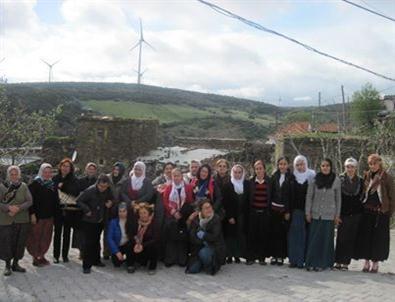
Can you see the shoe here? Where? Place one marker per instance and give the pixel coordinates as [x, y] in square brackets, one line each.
[318, 269]
[280, 262]
[250, 262]
[366, 268]
[99, 264]
[151, 272]
[338, 267]
[44, 261]
[262, 262]
[17, 268]
[237, 260]
[66, 259]
[309, 268]
[56, 260]
[273, 261]
[229, 260]
[86, 270]
[344, 268]
[131, 269]
[38, 262]
[7, 272]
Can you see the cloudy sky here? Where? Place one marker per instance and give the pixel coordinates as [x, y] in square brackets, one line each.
[198, 49]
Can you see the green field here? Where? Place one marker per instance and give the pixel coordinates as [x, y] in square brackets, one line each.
[167, 113]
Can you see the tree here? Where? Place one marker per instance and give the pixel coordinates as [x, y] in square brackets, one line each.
[365, 106]
[20, 129]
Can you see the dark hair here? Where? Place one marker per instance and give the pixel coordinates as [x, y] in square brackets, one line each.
[203, 202]
[169, 163]
[283, 158]
[103, 179]
[200, 169]
[329, 161]
[66, 160]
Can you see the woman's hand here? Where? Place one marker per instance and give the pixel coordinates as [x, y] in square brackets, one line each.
[33, 219]
[138, 248]
[89, 214]
[338, 221]
[232, 221]
[177, 215]
[287, 216]
[119, 256]
[308, 218]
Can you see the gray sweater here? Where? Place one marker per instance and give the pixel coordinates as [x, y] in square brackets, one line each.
[324, 203]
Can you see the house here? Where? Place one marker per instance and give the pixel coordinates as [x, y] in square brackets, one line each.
[389, 102]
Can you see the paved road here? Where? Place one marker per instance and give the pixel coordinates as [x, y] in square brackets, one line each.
[236, 282]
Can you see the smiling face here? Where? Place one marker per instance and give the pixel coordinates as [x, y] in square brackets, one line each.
[203, 173]
[177, 176]
[122, 213]
[282, 166]
[14, 175]
[259, 171]
[116, 171]
[374, 165]
[351, 170]
[102, 186]
[238, 173]
[47, 173]
[222, 168]
[325, 167]
[194, 168]
[167, 170]
[65, 168]
[138, 172]
[144, 215]
[301, 166]
[207, 210]
[91, 171]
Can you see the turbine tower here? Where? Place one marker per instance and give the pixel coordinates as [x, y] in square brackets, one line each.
[139, 44]
[50, 66]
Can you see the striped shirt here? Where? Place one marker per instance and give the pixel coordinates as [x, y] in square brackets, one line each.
[260, 197]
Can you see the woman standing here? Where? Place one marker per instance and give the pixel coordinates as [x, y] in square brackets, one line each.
[90, 177]
[258, 216]
[208, 249]
[236, 194]
[222, 177]
[42, 213]
[204, 188]
[137, 188]
[281, 188]
[379, 204]
[323, 204]
[351, 212]
[117, 178]
[298, 227]
[15, 200]
[161, 181]
[177, 201]
[68, 216]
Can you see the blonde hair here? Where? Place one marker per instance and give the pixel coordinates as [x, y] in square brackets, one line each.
[222, 161]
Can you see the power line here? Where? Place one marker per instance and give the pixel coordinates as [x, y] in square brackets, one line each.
[227, 13]
[369, 10]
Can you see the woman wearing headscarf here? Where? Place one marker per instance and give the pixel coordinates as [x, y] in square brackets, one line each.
[137, 188]
[42, 213]
[204, 188]
[373, 243]
[68, 216]
[258, 216]
[281, 188]
[208, 248]
[350, 216]
[298, 228]
[323, 205]
[15, 201]
[235, 198]
[117, 178]
[90, 177]
[177, 201]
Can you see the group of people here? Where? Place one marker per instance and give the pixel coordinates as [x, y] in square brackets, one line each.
[202, 219]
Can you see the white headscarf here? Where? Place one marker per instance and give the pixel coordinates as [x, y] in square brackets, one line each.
[301, 177]
[10, 168]
[137, 182]
[238, 184]
[177, 200]
[351, 161]
[42, 168]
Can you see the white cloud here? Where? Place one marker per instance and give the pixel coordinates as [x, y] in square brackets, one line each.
[197, 49]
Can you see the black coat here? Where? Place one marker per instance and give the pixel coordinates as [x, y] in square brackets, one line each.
[151, 236]
[85, 182]
[213, 237]
[93, 201]
[45, 201]
[282, 194]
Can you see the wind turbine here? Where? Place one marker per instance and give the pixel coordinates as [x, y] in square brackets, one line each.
[139, 44]
[50, 66]
[2, 60]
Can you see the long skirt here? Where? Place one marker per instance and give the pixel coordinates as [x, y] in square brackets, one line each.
[320, 248]
[40, 238]
[235, 238]
[373, 241]
[297, 238]
[258, 237]
[176, 249]
[278, 234]
[347, 233]
[13, 240]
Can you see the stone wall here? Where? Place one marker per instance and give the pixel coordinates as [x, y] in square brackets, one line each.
[210, 143]
[105, 140]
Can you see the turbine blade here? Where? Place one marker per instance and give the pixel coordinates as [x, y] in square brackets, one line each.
[149, 45]
[49, 65]
[135, 45]
[141, 30]
[2, 59]
[56, 62]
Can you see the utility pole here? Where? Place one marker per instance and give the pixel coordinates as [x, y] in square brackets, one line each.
[319, 100]
[344, 109]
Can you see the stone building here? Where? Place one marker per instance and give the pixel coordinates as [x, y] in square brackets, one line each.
[105, 140]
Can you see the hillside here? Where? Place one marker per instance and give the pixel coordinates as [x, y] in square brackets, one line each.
[180, 112]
